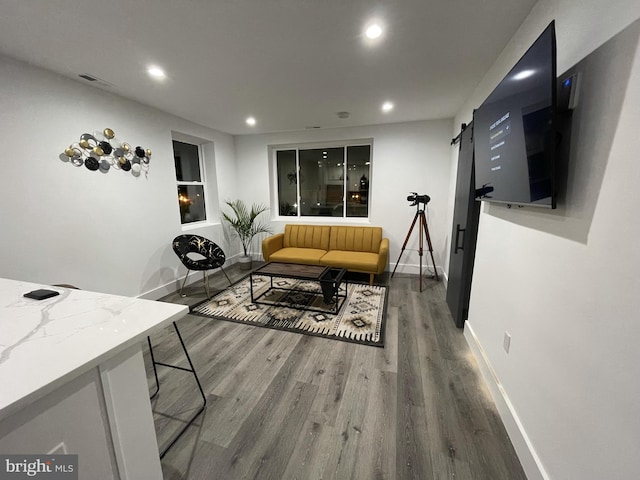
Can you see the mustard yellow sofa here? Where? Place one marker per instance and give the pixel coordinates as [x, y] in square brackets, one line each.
[358, 249]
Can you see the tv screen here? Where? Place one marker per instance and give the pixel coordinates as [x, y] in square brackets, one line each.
[514, 131]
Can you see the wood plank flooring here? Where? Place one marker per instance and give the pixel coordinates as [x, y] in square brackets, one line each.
[289, 406]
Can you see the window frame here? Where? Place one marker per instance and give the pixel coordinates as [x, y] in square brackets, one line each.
[298, 218]
[202, 183]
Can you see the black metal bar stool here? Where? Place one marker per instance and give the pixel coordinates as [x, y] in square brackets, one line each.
[177, 367]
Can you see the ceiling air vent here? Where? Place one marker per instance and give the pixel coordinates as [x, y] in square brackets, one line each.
[93, 79]
[88, 77]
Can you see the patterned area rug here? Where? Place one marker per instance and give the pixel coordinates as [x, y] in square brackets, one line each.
[360, 319]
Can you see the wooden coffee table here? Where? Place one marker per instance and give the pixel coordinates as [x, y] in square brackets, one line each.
[329, 279]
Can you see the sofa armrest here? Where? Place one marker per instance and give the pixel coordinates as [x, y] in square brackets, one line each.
[271, 245]
[383, 255]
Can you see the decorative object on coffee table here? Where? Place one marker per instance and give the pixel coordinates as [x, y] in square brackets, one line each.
[246, 225]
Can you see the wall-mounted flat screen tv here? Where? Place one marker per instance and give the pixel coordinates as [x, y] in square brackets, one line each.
[514, 131]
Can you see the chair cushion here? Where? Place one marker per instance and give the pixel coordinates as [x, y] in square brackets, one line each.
[201, 264]
[356, 261]
[307, 236]
[355, 239]
[309, 256]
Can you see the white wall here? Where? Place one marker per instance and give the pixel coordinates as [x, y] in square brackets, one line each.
[112, 232]
[565, 283]
[406, 157]
[106, 232]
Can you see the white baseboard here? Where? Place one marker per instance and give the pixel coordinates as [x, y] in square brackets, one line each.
[414, 269]
[171, 287]
[527, 455]
[174, 285]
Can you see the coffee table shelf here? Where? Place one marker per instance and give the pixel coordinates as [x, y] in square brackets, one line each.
[330, 279]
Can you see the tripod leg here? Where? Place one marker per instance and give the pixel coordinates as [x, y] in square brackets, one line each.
[421, 246]
[426, 231]
[406, 240]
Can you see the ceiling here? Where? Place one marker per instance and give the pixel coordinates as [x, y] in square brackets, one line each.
[291, 64]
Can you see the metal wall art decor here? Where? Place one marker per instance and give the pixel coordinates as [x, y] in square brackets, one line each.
[103, 151]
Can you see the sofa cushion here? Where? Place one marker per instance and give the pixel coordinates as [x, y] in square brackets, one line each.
[355, 239]
[307, 236]
[355, 261]
[309, 256]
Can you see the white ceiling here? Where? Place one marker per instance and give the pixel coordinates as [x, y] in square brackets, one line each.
[292, 64]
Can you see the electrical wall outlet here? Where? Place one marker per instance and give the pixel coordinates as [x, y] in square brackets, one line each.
[506, 342]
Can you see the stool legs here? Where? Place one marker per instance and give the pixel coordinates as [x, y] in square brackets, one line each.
[195, 375]
[155, 370]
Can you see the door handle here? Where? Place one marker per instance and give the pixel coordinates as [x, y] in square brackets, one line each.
[457, 244]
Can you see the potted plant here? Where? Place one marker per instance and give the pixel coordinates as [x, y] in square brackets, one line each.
[244, 223]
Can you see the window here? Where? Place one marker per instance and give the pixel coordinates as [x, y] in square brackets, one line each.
[314, 182]
[190, 179]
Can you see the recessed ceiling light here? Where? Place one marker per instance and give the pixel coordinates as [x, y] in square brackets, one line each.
[523, 74]
[156, 72]
[387, 107]
[250, 121]
[373, 31]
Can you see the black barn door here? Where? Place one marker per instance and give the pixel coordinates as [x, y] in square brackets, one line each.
[466, 214]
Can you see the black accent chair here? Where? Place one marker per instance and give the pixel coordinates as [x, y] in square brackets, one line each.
[213, 255]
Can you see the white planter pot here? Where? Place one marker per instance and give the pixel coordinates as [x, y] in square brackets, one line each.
[244, 262]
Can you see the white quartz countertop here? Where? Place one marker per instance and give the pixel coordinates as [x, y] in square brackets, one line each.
[46, 343]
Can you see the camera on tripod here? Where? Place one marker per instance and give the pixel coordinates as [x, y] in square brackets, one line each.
[416, 199]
